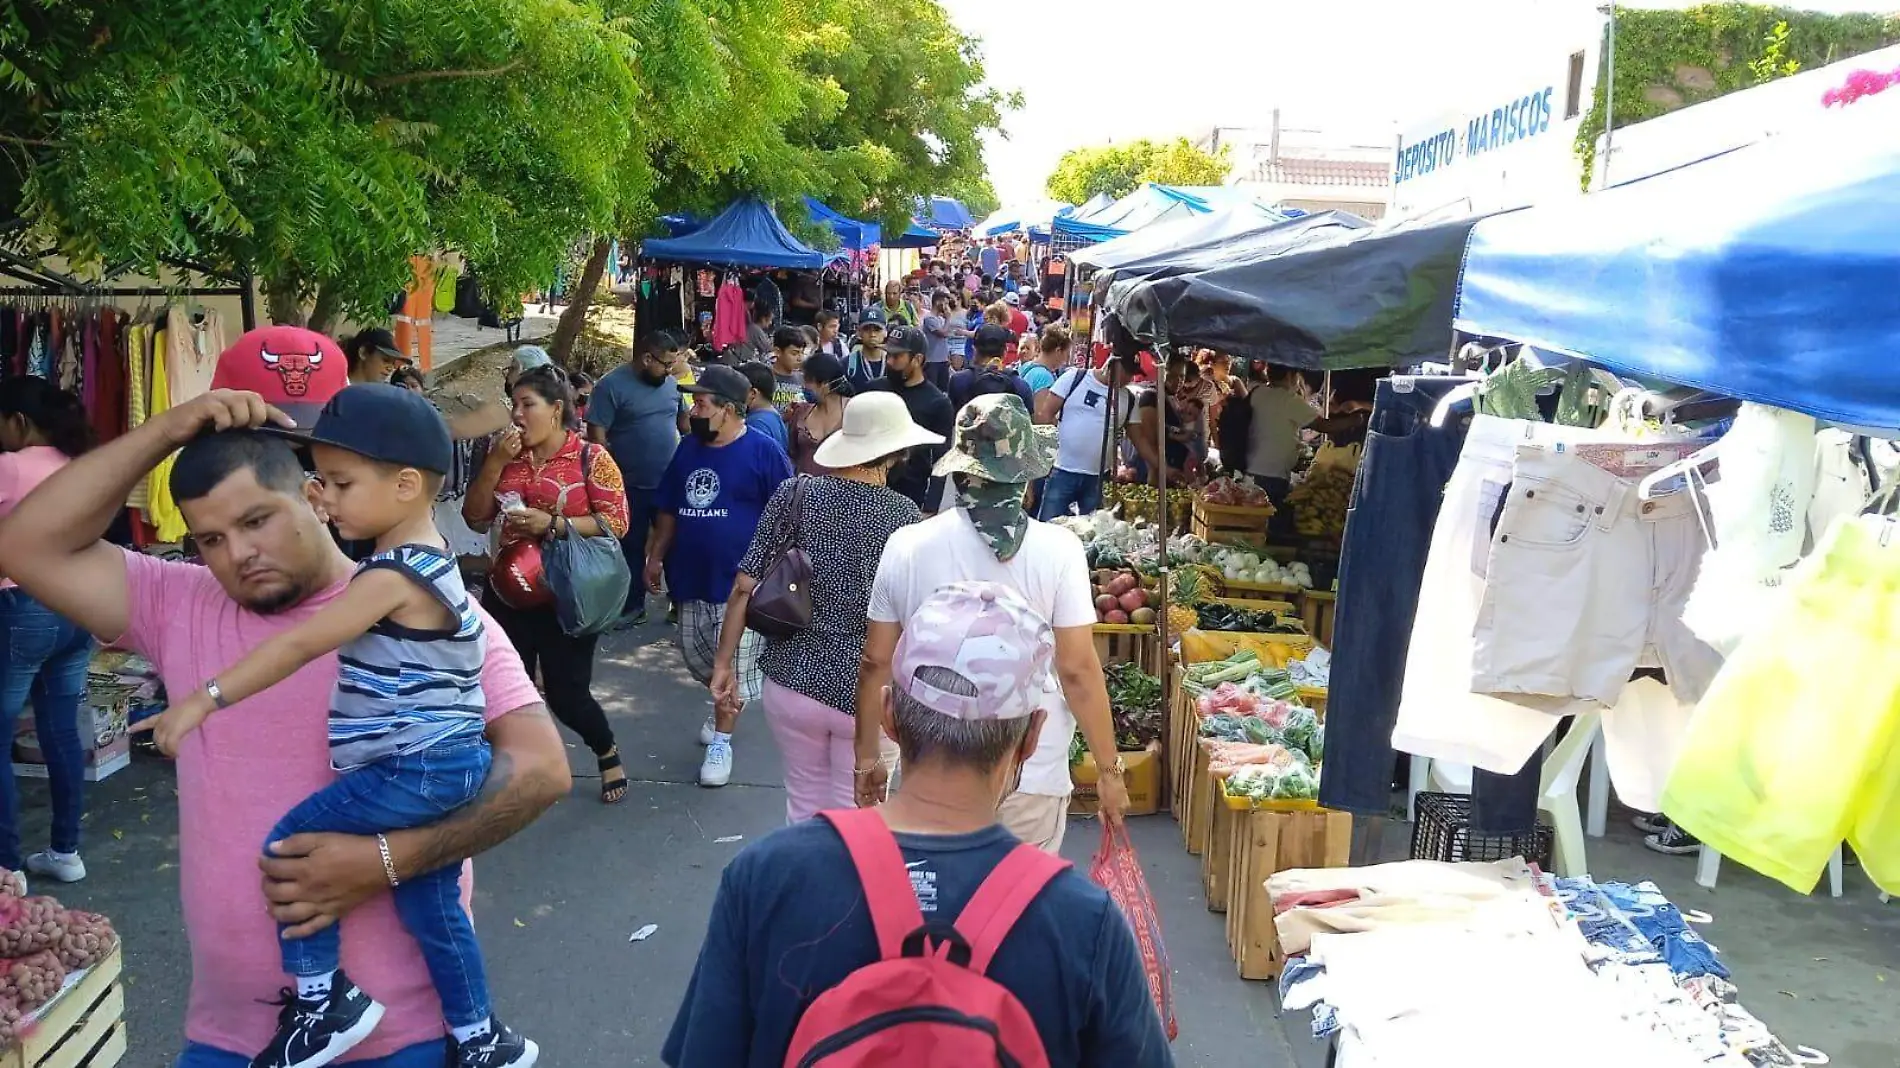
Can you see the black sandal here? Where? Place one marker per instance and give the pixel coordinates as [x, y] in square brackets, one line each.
[612, 793]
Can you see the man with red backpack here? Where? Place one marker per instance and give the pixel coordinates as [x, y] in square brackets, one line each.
[920, 932]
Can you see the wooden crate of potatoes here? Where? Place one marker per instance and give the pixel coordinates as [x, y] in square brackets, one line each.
[1262, 842]
[84, 1027]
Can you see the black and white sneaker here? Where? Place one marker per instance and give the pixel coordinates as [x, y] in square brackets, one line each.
[312, 1032]
[1673, 841]
[501, 1047]
[1650, 822]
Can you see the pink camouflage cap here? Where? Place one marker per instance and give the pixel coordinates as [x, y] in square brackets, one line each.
[987, 633]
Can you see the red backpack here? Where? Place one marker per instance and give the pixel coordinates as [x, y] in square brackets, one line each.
[925, 1002]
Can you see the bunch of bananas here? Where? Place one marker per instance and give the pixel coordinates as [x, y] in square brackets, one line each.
[1320, 502]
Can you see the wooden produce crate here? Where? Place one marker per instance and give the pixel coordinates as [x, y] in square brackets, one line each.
[1200, 802]
[1184, 732]
[1260, 590]
[1313, 697]
[1277, 607]
[1318, 610]
[84, 1027]
[1262, 842]
[1230, 523]
[1140, 644]
[1217, 860]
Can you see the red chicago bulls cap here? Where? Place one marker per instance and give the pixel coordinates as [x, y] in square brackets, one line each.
[295, 369]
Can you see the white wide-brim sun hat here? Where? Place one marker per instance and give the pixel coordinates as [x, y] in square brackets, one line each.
[875, 424]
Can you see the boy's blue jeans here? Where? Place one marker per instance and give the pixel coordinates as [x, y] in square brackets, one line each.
[393, 795]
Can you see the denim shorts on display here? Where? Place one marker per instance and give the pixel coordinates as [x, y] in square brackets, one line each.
[1439, 717]
[1796, 745]
[1585, 583]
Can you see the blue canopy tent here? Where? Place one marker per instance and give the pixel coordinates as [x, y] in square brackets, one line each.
[1761, 274]
[1080, 233]
[853, 234]
[1194, 231]
[1033, 216]
[1335, 296]
[680, 225]
[917, 236]
[746, 234]
[944, 213]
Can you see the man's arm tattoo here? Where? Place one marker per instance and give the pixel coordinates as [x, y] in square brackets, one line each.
[507, 803]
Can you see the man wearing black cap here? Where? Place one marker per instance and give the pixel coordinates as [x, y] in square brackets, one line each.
[986, 374]
[929, 408]
[708, 505]
[373, 356]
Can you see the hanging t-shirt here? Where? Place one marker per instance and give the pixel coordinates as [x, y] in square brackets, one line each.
[1084, 421]
[717, 494]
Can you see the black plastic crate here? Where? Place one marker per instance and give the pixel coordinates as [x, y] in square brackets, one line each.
[1443, 832]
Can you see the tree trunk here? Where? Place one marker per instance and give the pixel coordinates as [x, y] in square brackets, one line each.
[283, 305]
[578, 300]
[327, 309]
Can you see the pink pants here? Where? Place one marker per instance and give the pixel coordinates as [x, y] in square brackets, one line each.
[817, 744]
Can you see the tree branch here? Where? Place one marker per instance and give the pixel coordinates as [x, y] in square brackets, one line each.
[37, 142]
[412, 77]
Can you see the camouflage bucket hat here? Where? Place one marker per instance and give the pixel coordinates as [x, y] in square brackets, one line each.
[997, 441]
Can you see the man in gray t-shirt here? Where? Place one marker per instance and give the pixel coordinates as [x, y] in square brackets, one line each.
[939, 327]
[639, 413]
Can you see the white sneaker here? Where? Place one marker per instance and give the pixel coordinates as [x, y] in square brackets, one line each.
[60, 868]
[706, 731]
[716, 770]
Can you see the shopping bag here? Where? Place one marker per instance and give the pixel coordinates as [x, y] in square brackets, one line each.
[1117, 869]
[590, 579]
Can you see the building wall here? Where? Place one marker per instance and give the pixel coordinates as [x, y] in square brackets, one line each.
[1505, 138]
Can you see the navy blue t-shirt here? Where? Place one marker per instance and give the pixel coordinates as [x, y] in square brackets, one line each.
[717, 494]
[791, 922]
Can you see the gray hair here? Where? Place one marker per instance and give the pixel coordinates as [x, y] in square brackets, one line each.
[924, 734]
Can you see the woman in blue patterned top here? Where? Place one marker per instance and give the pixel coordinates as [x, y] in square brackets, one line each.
[406, 720]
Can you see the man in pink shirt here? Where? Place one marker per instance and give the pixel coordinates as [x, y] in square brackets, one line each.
[269, 563]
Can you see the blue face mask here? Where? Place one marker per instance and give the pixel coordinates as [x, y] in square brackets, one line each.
[811, 395]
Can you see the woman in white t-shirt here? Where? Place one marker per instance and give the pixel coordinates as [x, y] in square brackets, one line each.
[989, 537]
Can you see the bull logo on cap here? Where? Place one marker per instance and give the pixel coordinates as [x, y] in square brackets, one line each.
[295, 368]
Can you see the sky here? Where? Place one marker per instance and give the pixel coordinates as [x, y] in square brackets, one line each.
[1103, 70]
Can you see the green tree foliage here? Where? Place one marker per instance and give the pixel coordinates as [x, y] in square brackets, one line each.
[318, 144]
[1663, 55]
[865, 104]
[1119, 170]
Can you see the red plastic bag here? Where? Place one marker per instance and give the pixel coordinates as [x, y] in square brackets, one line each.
[1117, 869]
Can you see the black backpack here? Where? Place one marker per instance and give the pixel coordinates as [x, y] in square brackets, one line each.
[1236, 423]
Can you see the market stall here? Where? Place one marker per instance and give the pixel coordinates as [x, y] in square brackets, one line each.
[681, 279]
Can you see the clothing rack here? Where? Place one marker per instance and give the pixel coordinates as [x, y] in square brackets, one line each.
[29, 266]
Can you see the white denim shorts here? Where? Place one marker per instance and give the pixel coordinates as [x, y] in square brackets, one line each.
[1586, 582]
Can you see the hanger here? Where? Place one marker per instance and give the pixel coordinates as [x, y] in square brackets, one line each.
[1472, 350]
[1688, 465]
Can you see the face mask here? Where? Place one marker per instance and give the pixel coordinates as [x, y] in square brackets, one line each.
[811, 395]
[702, 428]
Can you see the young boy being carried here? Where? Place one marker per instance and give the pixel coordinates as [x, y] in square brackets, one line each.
[405, 721]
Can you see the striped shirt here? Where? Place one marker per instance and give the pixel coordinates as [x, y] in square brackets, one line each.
[400, 690]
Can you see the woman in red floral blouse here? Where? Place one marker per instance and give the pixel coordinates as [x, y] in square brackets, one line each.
[565, 488]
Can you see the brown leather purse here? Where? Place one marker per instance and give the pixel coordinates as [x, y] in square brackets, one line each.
[780, 606]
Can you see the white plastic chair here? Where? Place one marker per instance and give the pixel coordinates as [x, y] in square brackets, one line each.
[1557, 793]
[1709, 864]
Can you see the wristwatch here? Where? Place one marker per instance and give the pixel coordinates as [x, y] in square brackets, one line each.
[1117, 769]
[216, 693]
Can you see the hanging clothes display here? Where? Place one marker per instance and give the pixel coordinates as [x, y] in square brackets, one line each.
[1406, 464]
[160, 509]
[1797, 744]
